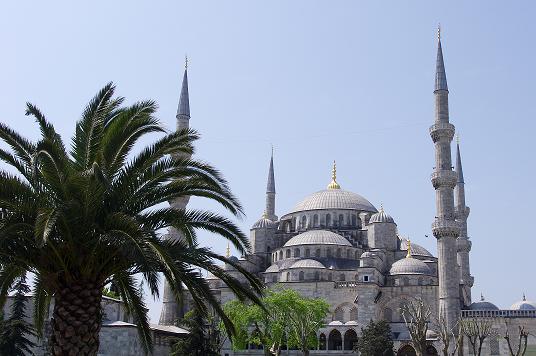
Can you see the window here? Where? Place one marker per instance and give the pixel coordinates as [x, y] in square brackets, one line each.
[301, 276]
[296, 252]
[328, 220]
[315, 220]
[307, 252]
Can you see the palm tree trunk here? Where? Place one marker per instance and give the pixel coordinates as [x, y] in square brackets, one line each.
[76, 320]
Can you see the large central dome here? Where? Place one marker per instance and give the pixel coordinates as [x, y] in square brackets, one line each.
[334, 199]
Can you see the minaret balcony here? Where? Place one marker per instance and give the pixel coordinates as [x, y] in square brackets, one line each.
[444, 179]
[444, 228]
[442, 130]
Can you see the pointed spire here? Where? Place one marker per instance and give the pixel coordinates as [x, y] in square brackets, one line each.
[270, 187]
[334, 184]
[183, 111]
[441, 76]
[459, 169]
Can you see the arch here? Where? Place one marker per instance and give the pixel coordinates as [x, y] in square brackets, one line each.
[315, 222]
[341, 220]
[307, 252]
[328, 219]
[353, 314]
[406, 350]
[301, 276]
[296, 252]
[350, 338]
[388, 314]
[335, 340]
[288, 254]
[322, 342]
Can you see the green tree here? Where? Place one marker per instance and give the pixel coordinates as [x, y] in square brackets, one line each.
[287, 318]
[83, 218]
[15, 332]
[375, 339]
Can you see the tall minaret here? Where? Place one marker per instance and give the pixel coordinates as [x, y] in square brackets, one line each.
[270, 191]
[445, 228]
[170, 308]
[463, 242]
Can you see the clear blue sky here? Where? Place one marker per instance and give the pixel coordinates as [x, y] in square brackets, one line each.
[343, 80]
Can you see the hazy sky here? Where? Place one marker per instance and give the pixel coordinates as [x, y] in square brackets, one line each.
[344, 80]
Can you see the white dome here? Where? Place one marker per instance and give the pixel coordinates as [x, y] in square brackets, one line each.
[334, 199]
[410, 265]
[307, 263]
[318, 237]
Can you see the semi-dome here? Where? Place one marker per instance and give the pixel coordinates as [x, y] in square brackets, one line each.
[318, 237]
[416, 250]
[264, 223]
[524, 305]
[334, 199]
[307, 263]
[381, 217]
[483, 305]
[272, 269]
[409, 265]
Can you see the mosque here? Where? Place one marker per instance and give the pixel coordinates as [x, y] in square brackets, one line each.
[336, 245]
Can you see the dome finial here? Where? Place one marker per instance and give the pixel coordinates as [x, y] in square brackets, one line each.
[409, 249]
[334, 184]
[228, 251]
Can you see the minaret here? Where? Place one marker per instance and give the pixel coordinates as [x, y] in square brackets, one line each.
[463, 242]
[270, 191]
[170, 308]
[445, 228]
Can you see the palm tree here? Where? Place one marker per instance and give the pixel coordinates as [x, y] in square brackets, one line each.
[81, 219]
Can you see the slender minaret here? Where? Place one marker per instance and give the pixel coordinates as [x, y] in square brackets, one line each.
[270, 191]
[463, 242]
[170, 308]
[445, 228]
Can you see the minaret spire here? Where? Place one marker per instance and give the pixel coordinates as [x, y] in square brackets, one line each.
[444, 179]
[270, 191]
[463, 243]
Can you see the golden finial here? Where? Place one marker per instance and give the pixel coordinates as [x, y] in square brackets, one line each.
[228, 251]
[185, 61]
[409, 249]
[334, 184]
[439, 31]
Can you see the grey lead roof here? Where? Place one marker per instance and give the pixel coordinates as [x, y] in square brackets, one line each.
[184, 102]
[459, 169]
[270, 187]
[441, 76]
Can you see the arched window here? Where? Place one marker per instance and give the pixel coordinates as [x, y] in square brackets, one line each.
[342, 277]
[341, 220]
[322, 342]
[350, 338]
[353, 314]
[388, 314]
[317, 252]
[315, 220]
[338, 252]
[288, 254]
[335, 340]
[328, 220]
[354, 220]
[301, 276]
[296, 252]
[307, 252]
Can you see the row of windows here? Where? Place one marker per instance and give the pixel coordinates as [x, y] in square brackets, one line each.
[296, 252]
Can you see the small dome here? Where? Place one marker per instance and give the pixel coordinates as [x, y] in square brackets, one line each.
[524, 305]
[483, 305]
[416, 250]
[318, 237]
[264, 223]
[307, 263]
[272, 269]
[410, 265]
[381, 217]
